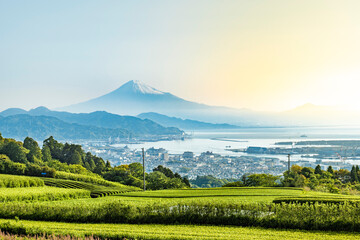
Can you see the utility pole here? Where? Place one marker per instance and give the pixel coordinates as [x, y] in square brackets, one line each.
[143, 155]
[289, 162]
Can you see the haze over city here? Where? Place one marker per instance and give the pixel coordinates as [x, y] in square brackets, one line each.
[261, 55]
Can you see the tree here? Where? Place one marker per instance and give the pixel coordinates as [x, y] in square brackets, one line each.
[75, 158]
[89, 161]
[157, 181]
[92, 165]
[99, 165]
[307, 172]
[123, 175]
[107, 165]
[46, 154]
[296, 169]
[234, 184]
[167, 171]
[175, 183]
[72, 154]
[55, 148]
[35, 154]
[207, 181]
[318, 169]
[314, 182]
[330, 170]
[118, 174]
[244, 179]
[14, 151]
[186, 181]
[354, 175]
[265, 180]
[136, 170]
[343, 175]
[299, 180]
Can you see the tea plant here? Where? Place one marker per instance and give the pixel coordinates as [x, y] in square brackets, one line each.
[41, 194]
[13, 181]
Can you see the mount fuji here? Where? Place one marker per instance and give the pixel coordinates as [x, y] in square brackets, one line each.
[133, 98]
[136, 97]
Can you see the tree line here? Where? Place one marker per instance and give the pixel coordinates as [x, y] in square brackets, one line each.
[330, 180]
[27, 158]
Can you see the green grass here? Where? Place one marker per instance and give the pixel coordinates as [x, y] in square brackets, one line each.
[157, 231]
[41, 194]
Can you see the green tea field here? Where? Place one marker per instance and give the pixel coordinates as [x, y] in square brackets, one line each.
[178, 232]
[80, 209]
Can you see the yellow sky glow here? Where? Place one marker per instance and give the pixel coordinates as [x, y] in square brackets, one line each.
[270, 55]
[283, 55]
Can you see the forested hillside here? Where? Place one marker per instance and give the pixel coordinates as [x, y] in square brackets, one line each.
[21, 126]
[40, 121]
[70, 161]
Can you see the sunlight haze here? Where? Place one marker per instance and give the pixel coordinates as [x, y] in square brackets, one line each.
[260, 55]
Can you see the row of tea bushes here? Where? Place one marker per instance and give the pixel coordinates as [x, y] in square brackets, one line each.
[14, 181]
[312, 200]
[336, 217]
[90, 179]
[32, 229]
[96, 190]
[41, 194]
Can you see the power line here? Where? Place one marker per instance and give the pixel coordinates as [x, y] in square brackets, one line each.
[143, 156]
[289, 162]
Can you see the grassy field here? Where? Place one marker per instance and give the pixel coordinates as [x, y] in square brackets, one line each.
[156, 231]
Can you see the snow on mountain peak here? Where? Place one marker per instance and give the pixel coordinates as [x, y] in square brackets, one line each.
[140, 87]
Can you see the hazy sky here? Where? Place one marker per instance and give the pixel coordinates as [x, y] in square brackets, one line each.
[263, 55]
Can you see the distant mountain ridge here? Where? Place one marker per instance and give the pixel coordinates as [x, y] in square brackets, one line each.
[131, 125]
[12, 111]
[185, 124]
[21, 126]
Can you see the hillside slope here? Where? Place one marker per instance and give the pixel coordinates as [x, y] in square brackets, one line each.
[104, 119]
[41, 127]
[185, 124]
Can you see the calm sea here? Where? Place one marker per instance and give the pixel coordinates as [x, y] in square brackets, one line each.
[218, 141]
